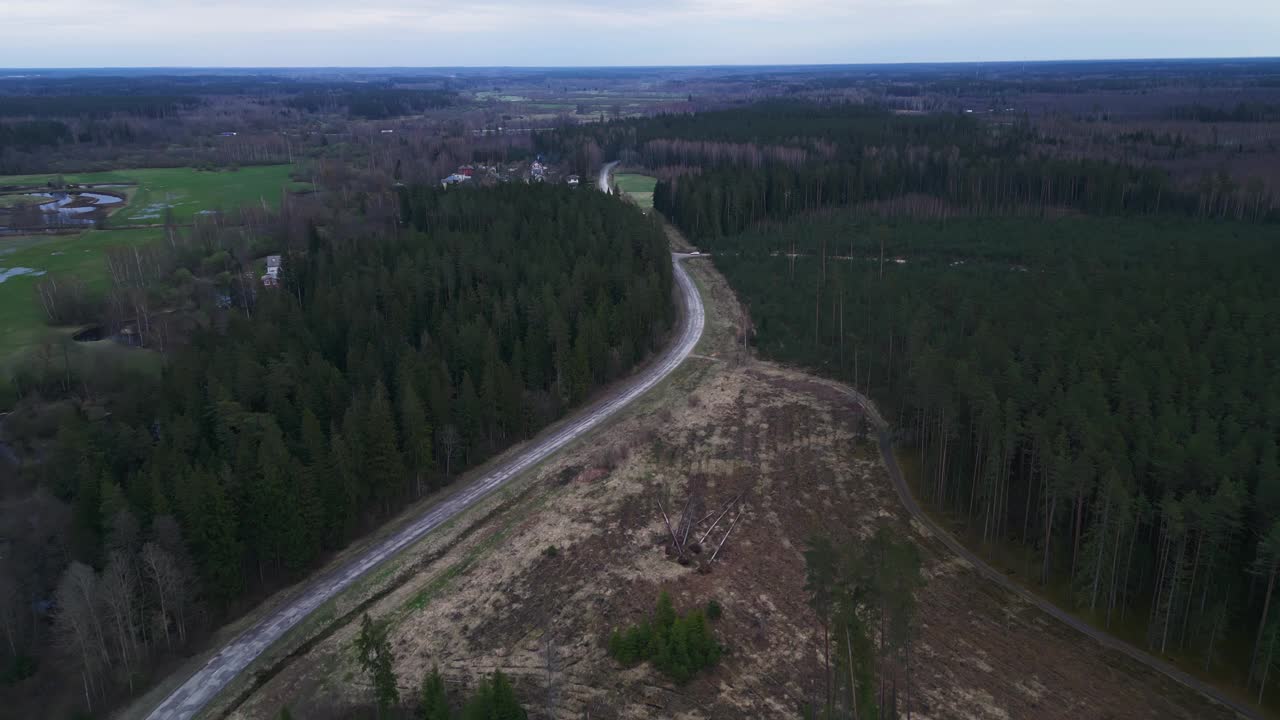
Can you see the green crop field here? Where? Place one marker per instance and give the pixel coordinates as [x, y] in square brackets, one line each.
[639, 187]
[187, 190]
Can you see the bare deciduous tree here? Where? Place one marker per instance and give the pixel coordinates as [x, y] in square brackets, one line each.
[119, 592]
[11, 614]
[79, 625]
[448, 440]
[171, 587]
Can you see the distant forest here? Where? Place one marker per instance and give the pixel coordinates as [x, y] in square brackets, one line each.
[385, 364]
[372, 103]
[1081, 354]
[83, 123]
[1254, 112]
[724, 172]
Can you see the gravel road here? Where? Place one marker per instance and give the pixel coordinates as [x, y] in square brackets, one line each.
[192, 696]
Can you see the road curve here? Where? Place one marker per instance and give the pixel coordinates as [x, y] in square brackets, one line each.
[605, 172]
[219, 671]
[1103, 638]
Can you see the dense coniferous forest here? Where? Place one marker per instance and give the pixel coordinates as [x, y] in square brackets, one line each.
[1242, 113]
[854, 155]
[33, 134]
[723, 172]
[1098, 392]
[383, 366]
[1102, 392]
[372, 104]
[95, 106]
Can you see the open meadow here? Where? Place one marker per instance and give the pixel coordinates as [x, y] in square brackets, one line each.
[24, 259]
[187, 191]
[638, 187]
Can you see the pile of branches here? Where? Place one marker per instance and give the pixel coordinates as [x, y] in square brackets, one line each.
[693, 531]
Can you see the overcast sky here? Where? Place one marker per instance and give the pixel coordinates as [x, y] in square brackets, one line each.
[98, 33]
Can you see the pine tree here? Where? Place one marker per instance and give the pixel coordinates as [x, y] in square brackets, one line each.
[494, 699]
[274, 521]
[417, 437]
[382, 461]
[345, 491]
[306, 532]
[470, 417]
[435, 699]
[505, 704]
[373, 652]
[216, 541]
[677, 646]
[820, 583]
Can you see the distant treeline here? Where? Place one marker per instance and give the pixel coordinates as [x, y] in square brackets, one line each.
[373, 103]
[728, 200]
[95, 106]
[835, 131]
[1242, 112]
[183, 85]
[733, 171]
[723, 172]
[149, 85]
[31, 134]
[164, 96]
[1055, 78]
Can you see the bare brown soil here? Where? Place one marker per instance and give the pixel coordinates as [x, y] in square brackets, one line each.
[498, 596]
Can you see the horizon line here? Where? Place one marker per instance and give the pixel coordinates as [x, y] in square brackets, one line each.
[897, 63]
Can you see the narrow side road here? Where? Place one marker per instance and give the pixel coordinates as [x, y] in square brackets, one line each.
[1102, 637]
[189, 699]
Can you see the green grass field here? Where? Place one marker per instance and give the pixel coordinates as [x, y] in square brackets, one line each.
[22, 321]
[25, 259]
[639, 187]
[186, 190]
[12, 200]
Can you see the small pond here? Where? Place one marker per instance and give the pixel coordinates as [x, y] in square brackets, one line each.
[62, 208]
[6, 273]
[95, 333]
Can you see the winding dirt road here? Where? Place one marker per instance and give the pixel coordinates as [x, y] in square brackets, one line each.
[1103, 638]
[189, 699]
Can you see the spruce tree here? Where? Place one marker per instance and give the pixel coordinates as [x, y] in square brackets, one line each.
[417, 437]
[494, 699]
[435, 699]
[274, 521]
[382, 461]
[217, 542]
[373, 652]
